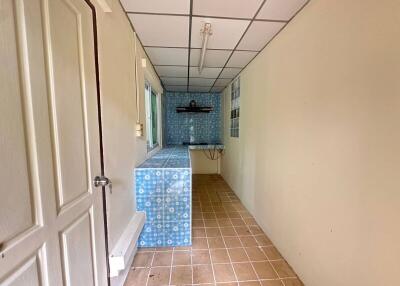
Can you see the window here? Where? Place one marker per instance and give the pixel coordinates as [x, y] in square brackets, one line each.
[235, 107]
[153, 125]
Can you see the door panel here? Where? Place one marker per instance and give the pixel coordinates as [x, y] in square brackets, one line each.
[68, 100]
[26, 275]
[19, 187]
[77, 252]
[51, 219]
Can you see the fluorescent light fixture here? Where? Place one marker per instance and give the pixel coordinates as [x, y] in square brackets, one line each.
[206, 32]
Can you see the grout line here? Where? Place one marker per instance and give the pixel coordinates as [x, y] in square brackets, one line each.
[151, 264]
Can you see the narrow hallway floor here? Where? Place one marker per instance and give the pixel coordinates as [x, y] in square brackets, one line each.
[229, 248]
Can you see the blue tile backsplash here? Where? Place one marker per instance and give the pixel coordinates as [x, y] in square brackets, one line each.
[164, 193]
[192, 127]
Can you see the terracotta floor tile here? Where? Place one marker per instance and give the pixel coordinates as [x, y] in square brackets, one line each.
[250, 221]
[263, 240]
[210, 223]
[232, 242]
[234, 215]
[182, 258]
[201, 257]
[216, 242]
[244, 271]
[159, 276]
[248, 241]
[197, 223]
[202, 274]
[224, 222]
[264, 270]
[292, 282]
[228, 231]
[199, 243]
[250, 283]
[238, 222]
[181, 275]
[224, 273]
[255, 230]
[163, 248]
[162, 259]
[213, 232]
[137, 277]
[227, 242]
[242, 230]
[283, 269]
[143, 259]
[199, 232]
[219, 256]
[209, 215]
[272, 253]
[238, 255]
[271, 283]
[255, 254]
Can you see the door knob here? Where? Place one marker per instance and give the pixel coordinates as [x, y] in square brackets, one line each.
[101, 181]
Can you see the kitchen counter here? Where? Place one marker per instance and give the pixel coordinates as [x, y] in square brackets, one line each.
[163, 186]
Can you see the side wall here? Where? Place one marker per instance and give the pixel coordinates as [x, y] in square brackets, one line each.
[318, 162]
[122, 150]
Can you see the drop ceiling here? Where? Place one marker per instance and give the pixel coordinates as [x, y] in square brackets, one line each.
[170, 33]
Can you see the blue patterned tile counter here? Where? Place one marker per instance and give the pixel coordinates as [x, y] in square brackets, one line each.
[164, 192]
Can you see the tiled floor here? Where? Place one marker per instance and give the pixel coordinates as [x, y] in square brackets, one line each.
[229, 248]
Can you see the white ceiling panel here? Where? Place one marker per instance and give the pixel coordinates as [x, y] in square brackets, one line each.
[172, 71]
[168, 56]
[230, 72]
[174, 80]
[240, 59]
[198, 81]
[217, 89]
[259, 34]
[157, 6]
[178, 88]
[280, 10]
[226, 8]
[225, 32]
[206, 72]
[199, 88]
[214, 58]
[222, 82]
[161, 30]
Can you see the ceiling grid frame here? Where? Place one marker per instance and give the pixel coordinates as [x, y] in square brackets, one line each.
[227, 68]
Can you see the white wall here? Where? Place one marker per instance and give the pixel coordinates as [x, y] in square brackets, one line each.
[318, 160]
[122, 150]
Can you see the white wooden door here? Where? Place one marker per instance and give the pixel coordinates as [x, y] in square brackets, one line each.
[51, 219]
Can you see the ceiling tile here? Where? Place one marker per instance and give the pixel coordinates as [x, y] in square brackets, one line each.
[174, 80]
[168, 56]
[225, 32]
[280, 10]
[217, 89]
[207, 72]
[240, 59]
[214, 58]
[199, 88]
[259, 34]
[222, 82]
[157, 6]
[172, 71]
[197, 81]
[226, 8]
[161, 30]
[179, 88]
[230, 72]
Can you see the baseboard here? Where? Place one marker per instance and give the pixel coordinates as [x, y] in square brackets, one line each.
[122, 254]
